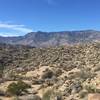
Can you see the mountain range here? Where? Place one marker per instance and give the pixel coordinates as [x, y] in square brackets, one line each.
[69, 72]
[47, 39]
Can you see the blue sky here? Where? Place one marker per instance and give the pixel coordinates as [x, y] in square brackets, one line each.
[18, 17]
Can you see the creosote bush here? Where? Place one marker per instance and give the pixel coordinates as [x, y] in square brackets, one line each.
[17, 88]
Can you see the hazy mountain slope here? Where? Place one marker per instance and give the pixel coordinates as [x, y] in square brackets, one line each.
[45, 39]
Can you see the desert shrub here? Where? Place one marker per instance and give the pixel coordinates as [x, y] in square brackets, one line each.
[13, 89]
[58, 72]
[51, 95]
[83, 93]
[83, 74]
[17, 88]
[47, 74]
[86, 74]
[13, 75]
[91, 88]
[47, 95]
[23, 84]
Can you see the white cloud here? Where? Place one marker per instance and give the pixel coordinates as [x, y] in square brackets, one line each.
[15, 27]
[10, 34]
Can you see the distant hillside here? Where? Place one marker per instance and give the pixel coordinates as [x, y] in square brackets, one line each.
[24, 56]
[46, 39]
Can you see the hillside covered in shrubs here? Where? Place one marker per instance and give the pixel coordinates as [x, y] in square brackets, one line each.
[55, 73]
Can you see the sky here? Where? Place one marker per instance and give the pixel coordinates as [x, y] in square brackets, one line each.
[19, 17]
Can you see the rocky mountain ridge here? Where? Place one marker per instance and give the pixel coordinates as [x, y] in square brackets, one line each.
[51, 39]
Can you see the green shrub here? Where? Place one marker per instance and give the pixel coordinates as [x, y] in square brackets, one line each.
[47, 95]
[51, 95]
[13, 89]
[90, 88]
[23, 85]
[17, 88]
